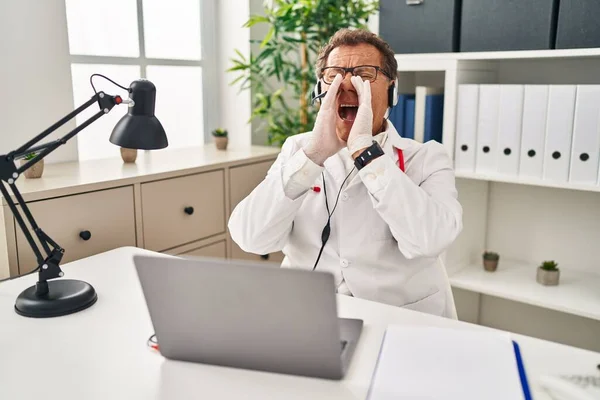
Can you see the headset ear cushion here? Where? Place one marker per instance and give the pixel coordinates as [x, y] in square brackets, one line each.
[317, 90]
[393, 94]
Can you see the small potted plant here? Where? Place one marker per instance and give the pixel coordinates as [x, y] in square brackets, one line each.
[221, 139]
[490, 261]
[548, 273]
[36, 170]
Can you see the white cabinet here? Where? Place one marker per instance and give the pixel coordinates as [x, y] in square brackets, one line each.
[173, 201]
[526, 219]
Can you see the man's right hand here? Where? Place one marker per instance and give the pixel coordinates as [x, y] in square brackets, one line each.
[324, 141]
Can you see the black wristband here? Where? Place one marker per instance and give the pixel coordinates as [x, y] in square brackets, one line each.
[368, 154]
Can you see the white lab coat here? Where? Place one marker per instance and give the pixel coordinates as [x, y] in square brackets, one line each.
[387, 232]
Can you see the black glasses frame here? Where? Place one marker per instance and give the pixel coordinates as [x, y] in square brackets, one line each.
[351, 70]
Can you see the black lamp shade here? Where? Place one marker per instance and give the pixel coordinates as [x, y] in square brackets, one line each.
[140, 129]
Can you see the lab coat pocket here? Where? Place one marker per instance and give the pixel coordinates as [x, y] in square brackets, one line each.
[434, 303]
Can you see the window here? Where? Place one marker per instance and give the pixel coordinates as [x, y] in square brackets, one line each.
[163, 41]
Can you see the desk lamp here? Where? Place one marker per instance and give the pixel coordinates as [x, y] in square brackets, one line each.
[139, 129]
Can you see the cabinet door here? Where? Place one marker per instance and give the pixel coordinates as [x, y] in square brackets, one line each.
[182, 210]
[82, 224]
[242, 180]
[215, 250]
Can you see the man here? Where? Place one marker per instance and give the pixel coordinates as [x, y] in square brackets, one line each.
[354, 198]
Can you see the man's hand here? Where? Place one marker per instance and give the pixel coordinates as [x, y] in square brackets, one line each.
[361, 134]
[324, 141]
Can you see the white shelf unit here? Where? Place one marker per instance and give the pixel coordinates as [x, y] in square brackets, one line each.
[577, 294]
[525, 220]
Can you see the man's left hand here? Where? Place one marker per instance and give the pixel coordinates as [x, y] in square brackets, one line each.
[361, 134]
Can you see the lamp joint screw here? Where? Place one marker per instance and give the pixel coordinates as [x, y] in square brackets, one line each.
[45, 266]
[61, 273]
[101, 95]
[106, 111]
[15, 175]
[11, 181]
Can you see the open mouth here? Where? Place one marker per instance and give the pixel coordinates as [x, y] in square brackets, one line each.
[347, 112]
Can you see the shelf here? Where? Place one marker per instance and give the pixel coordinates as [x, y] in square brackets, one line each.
[527, 181]
[578, 293]
[501, 55]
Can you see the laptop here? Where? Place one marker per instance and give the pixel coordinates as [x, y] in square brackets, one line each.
[247, 315]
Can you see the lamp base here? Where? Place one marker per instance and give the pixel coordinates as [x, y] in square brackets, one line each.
[65, 296]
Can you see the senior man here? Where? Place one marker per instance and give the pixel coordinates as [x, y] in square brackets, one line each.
[353, 197]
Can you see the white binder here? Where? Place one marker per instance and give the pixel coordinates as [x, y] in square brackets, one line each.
[510, 117]
[533, 136]
[466, 128]
[586, 135]
[487, 129]
[559, 131]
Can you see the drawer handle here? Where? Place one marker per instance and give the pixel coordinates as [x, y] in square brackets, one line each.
[264, 256]
[189, 210]
[85, 235]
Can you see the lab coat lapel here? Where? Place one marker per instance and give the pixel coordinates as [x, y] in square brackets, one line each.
[394, 142]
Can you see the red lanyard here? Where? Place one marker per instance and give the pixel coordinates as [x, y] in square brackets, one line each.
[400, 159]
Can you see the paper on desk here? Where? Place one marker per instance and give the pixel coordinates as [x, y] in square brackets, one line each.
[437, 363]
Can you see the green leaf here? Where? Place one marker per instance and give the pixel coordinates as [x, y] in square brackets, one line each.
[268, 37]
[255, 19]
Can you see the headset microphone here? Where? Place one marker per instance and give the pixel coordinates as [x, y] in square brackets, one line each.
[319, 97]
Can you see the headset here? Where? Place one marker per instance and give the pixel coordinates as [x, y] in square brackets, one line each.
[317, 95]
[327, 229]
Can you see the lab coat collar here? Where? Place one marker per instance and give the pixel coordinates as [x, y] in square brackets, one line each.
[394, 142]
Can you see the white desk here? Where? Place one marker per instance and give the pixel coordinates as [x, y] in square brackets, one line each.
[101, 353]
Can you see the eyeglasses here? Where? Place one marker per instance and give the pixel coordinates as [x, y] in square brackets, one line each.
[366, 72]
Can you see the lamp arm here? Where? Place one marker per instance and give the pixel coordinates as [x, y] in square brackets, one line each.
[48, 264]
[106, 102]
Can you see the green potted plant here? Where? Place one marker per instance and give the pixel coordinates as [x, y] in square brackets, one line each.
[548, 273]
[36, 170]
[221, 139]
[490, 261]
[280, 71]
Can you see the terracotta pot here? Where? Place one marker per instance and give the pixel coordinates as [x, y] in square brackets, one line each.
[128, 155]
[490, 265]
[221, 142]
[547, 278]
[35, 171]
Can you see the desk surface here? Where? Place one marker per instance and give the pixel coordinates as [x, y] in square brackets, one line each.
[101, 353]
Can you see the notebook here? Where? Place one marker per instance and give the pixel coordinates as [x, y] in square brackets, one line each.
[451, 364]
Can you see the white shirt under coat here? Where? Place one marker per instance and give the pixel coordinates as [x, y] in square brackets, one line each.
[387, 232]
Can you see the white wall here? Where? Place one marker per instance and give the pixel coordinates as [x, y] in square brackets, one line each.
[234, 106]
[35, 73]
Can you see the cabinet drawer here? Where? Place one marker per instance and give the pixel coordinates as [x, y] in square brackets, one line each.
[182, 210]
[243, 180]
[108, 216]
[215, 250]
